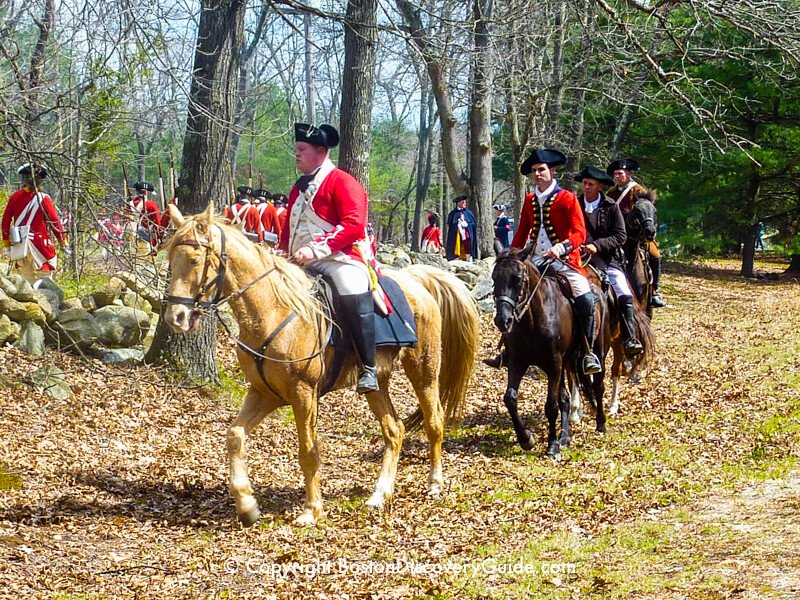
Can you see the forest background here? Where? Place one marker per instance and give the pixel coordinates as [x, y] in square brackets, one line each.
[704, 95]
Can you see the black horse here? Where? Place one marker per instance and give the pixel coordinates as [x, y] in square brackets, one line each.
[537, 322]
[641, 224]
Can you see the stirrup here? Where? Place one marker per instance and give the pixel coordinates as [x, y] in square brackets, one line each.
[657, 302]
[496, 362]
[633, 348]
[590, 364]
[367, 380]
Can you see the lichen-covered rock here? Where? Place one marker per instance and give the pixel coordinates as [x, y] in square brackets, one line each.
[119, 356]
[48, 301]
[31, 338]
[33, 312]
[50, 289]
[73, 328]
[483, 288]
[6, 329]
[52, 381]
[88, 304]
[134, 300]
[14, 309]
[110, 292]
[23, 289]
[121, 326]
[486, 305]
[68, 303]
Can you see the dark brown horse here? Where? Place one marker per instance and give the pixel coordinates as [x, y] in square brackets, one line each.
[537, 322]
[641, 224]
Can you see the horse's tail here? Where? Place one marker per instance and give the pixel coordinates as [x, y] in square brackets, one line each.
[460, 328]
[644, 333]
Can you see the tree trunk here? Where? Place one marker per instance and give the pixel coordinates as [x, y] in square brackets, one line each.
[206, 172]
[480, 118]
[794, 265]
[749, 248]
[32, 94]
[556, 84]
[437, 72]
[358, 85]
[423, 164]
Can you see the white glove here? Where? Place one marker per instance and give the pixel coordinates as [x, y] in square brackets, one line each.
[559, 249]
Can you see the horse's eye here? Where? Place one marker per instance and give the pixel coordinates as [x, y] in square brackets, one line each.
[196, 261]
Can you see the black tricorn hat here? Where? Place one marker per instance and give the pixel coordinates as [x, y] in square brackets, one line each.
[262, 193]
[624, 163]
[460, 198]
[245, 189]
[548, 156]
[323, 135]
[25, 170]
[141, 185]
[279, 198]
[596, 174]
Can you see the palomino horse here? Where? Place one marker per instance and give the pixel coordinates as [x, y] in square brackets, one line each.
[537, 321]
[641, 224]
[270, 298]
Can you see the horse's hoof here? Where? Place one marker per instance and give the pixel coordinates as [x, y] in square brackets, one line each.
[563, 443]
[527, 444]
[601, 428]
[435, 491]
[553, 451]
[377, 501]
[306, 518]
[613, 410]
[249, 518]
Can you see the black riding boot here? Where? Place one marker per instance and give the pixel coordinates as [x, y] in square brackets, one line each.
[632, 345]
[655, 266]
[359, 311]
[498, 361]
[584, 307]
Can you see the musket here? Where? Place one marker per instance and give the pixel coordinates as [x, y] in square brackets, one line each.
[161, 186]
[172, 183]
[261, 181]
[250, 175]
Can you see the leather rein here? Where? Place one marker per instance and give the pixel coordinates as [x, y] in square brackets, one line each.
[520, 307]
[213, 305]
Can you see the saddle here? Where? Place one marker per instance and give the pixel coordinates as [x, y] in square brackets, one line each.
[563, 284]
[398, 329]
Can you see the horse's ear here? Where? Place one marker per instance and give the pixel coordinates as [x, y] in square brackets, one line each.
[175, 215]
[208, 215]
[525, 252]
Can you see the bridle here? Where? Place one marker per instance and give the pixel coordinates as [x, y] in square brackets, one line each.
[636, 222]
[520, 307]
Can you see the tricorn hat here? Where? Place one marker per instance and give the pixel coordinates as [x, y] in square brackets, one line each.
[460, 198]
[262, 193]
[323, 135]
[594, 173]
[245, 189]
[279, 198]
[548, 156]
[141, 185]
[41, 170]
[624, 163]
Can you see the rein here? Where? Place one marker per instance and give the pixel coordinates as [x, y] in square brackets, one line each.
[520, 308]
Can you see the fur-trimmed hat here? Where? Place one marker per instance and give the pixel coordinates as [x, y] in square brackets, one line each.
[323, 135]
[499, 206]
[547, 156]
[143, 186]
[596, 174]
[624, 163]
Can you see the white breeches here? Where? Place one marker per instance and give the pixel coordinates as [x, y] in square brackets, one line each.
[619, 282]
[577, 281]
[347, 276]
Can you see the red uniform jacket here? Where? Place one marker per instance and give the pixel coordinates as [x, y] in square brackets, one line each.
[246, 216]
[269, 218]
[282, 214]
[433, 235]
[563, 222]
[45, 221]
[341, 203]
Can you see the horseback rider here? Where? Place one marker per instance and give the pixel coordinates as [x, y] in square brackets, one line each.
[624, 194]
[327, 231]
[605, 235]
[551, 220]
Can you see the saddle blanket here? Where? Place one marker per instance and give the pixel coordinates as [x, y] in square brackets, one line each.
[397, 329]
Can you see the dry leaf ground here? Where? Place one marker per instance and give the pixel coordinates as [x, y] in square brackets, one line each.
[120, 491]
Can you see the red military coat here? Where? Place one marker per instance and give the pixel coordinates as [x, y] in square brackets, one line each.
[245, 215]
[335, 221]
[45, 221]
[145, 212]
[563, 222]
[269, 218]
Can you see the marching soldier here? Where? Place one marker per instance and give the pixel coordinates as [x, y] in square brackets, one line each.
[144, 212]
[245, 215]
[623, 194]
[34, 216]
[605, 235]
[268, 216]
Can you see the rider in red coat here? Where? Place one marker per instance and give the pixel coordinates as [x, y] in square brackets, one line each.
[552, 220]
[327, 231]
[43, 219]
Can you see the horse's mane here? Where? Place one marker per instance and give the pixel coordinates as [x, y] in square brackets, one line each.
[290, 289]
[651, 195]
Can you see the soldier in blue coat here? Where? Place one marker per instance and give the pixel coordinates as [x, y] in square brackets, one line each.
[502, 228]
